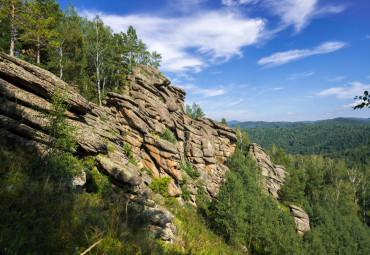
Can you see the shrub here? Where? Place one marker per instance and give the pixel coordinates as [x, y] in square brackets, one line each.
[168, 136]
[193, 173]
[159, 185]
[128, 151]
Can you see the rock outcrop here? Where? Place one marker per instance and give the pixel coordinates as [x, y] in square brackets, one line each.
[123, 135]
[273, 174]
[301, 219]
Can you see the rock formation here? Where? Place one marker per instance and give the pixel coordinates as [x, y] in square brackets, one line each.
[123, 135]
[273, 174]
[301, 219]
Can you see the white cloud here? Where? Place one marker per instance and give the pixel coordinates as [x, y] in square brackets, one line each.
[195, 90]
[357, 102]
[335, 79]
[191, 42]
[236, 102]
[300, 75]
[350, 90]
[299, 13]
[367, 36]
[237, 2]
[281, 58]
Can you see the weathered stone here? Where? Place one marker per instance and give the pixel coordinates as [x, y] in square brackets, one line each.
[121, 173]
[39, 81]
[301, 219]
[273, 174]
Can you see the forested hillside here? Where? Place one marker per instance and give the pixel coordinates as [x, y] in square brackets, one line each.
[82, 52]
[285, 124]
[312, 139]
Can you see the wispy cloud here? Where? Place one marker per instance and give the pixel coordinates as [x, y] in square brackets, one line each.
[300, 75]
[190, 43]
[349, 90]
[196, 90]
[281, 58]
[357, 102]
[367, 36]
[299, 13]
[237, 2]
[335, 79]
[236, 102]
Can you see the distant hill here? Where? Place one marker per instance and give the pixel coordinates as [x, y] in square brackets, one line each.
[253, 124]
[318, 138]
[233, 122]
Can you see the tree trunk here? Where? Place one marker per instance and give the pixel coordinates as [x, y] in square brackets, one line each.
[60, 61]
[98, 77]
[12, 31]
[38, 46]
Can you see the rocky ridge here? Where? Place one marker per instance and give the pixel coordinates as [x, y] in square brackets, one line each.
[123, 135]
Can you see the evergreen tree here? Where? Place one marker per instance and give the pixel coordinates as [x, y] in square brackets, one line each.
[194, 111]
[40, 25]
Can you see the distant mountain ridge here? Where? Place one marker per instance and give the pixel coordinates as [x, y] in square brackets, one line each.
[283, 124]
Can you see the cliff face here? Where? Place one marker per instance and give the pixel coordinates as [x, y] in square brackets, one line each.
[273, 174]
[134, 119]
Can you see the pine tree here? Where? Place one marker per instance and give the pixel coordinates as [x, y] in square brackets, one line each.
[40, 25]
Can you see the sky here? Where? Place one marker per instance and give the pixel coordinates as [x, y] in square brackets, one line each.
[254, 60]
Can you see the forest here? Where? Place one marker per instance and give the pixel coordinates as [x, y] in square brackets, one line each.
[313, 138]
[84, 53]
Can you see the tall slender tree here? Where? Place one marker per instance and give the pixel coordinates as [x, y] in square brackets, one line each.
[13, 11]
[99, 39]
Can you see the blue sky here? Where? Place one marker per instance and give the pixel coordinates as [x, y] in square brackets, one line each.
[247, 60]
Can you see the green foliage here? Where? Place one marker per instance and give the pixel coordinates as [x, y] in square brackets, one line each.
[366, 101]
[132, 161]
[242, 140]
[312, 139]
[168, 136]
[39, 215]
[244, 215]
[98, 182]
[193, 173]
[63, 141]
[128, 151]
[194, 111]
[223, 121]
[195, 235]
[159, 185]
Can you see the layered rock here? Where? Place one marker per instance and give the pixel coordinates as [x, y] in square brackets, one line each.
[273, 174]
[124, 134]
[301, 219]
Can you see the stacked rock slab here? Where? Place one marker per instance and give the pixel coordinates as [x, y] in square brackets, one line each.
[123, 135]
[301, 219]
[273, 174]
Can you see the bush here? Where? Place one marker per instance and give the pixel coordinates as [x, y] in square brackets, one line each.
[159, 185]
[193, 173]
[168, 136]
